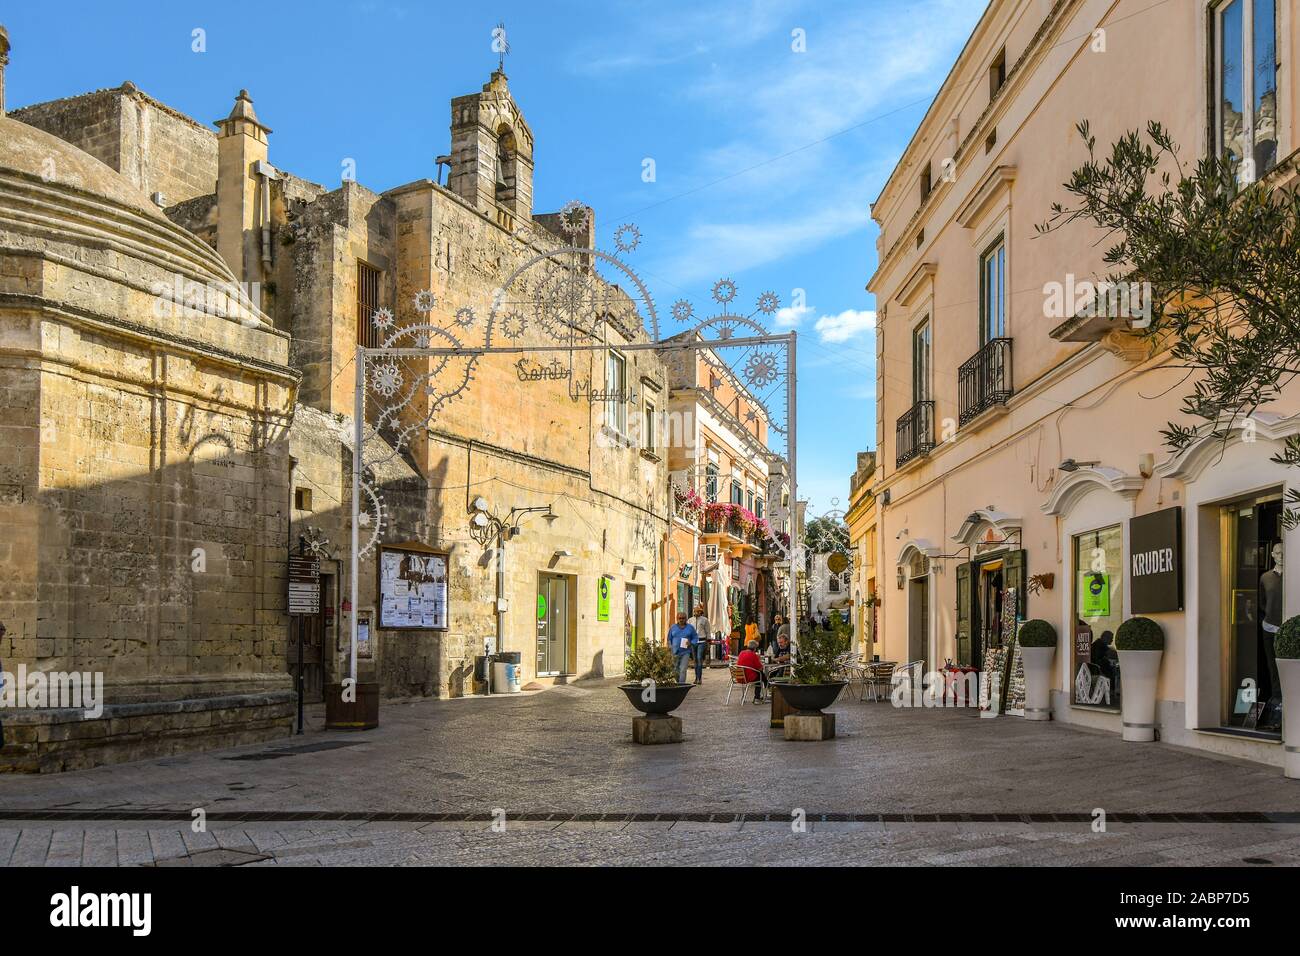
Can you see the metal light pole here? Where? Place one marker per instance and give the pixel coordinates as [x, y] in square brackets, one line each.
[358, 425]
[792, 412]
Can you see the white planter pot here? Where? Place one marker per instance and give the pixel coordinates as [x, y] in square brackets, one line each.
[1038, 681]
[1138, 672]
[1289, 670]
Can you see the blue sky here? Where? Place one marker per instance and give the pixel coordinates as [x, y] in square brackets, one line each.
[766, 159]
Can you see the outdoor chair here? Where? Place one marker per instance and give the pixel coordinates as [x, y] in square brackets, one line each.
[742, 677]
[853, 671]
[914, 673]
[879, 675]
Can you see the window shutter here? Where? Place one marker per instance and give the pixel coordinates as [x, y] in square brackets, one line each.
[963, 613]
[1014, 577]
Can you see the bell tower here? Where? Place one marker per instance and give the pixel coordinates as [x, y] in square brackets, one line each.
[492, 153]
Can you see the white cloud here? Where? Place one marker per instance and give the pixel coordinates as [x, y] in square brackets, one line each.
[790, 316]
[846, 325]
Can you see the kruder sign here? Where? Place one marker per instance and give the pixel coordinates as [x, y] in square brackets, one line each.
[1155, 563]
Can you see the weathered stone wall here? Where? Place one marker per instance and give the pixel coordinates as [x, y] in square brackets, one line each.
[147, 466]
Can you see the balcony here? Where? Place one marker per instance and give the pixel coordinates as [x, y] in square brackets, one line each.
[984, 381]
[914, 436]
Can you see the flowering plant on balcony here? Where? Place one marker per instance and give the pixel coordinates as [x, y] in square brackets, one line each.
[689, 502]
[716, 515]
[744, 519]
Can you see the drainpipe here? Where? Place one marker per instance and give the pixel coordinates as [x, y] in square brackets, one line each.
[265, 173]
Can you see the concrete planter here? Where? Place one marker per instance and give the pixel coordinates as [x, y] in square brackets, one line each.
[1139, 670]
[1289, 670]
[1038, 681]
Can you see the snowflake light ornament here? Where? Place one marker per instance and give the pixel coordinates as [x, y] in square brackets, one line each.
[425, 300]
[382, 319]
[573, 217]
[387, 379]
[464, 317]
[724, 290]
[683, 310]
[513, 325]
[761, 370]
[627, 237]
[768, 303]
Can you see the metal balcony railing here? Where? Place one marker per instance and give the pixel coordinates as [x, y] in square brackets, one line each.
[984, 380]
[915, 433]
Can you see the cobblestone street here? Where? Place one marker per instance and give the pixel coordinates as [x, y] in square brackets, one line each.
[925, 787]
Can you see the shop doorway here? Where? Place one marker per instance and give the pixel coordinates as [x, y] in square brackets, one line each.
[981, 591]
[633, 609]
[1252, 611]
[552, 625]
[918, 620]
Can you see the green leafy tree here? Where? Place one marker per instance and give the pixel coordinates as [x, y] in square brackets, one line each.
[1221, 257]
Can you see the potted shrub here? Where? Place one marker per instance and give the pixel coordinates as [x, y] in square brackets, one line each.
[1140, 643]
[650, 680]
[814, 683]
[1037, 648]
[1287, 647]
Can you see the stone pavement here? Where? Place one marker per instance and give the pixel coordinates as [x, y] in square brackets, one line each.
[897, 786]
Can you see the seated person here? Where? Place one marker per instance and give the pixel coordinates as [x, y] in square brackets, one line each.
[753, 669]
[782, 655]
[1104, 656]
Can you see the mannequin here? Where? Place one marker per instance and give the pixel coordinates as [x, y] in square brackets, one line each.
[1270, 605]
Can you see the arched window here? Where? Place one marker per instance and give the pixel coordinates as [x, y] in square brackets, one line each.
[507, 152]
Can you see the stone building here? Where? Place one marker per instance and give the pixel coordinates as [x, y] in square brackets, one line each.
[155, 416]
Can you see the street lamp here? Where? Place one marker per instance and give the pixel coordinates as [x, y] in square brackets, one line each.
[483, 526]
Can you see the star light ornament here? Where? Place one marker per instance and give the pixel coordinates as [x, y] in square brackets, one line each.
[425, 300]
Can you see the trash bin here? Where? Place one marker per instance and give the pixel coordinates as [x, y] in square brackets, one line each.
[505, 672]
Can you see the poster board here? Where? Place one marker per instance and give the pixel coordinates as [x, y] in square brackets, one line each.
[412, 588]
[365, 646]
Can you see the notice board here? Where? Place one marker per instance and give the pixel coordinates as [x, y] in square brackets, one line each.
[412, 588]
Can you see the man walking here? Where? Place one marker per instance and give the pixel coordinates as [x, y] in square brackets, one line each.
[682, 639]
[702, 633]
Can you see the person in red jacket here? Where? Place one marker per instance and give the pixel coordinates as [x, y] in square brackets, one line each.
[754, 674]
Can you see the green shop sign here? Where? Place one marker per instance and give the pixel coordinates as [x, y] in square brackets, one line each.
[1094, 594]
[602, 599]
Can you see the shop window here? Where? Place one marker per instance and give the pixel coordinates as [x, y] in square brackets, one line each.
[1098, 603]
[1245, 81]
[1252, 552]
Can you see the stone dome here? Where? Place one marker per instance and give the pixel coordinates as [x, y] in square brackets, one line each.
[36, 153]
[53, 192]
